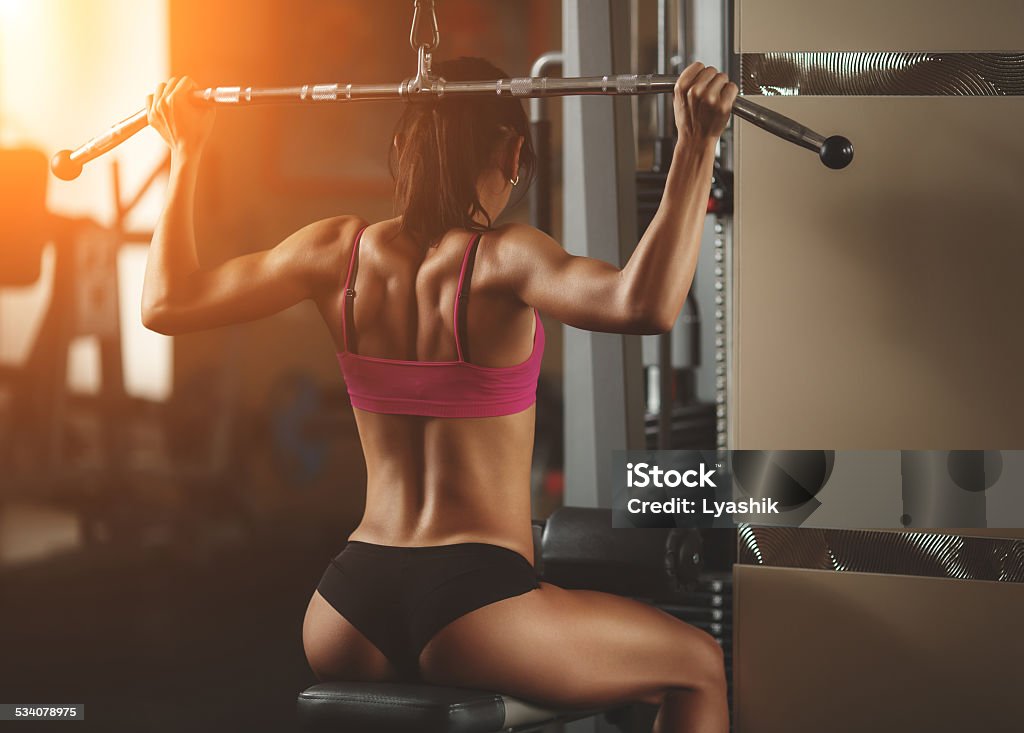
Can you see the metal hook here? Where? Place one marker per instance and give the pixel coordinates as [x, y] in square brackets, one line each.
[435, 35]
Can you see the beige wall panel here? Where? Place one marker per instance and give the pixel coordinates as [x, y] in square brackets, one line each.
[882, 306]
[879, 25]
[853, 652]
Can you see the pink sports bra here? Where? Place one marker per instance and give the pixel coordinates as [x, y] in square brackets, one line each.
[437, 388]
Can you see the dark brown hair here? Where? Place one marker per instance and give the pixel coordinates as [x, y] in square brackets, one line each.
[442, 148]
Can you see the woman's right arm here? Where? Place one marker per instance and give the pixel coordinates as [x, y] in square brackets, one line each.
[179, 295]
[645, 295]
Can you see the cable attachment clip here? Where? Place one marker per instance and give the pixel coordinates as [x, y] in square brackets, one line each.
[423, 80]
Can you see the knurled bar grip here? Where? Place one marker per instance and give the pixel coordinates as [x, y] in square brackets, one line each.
[835, 151]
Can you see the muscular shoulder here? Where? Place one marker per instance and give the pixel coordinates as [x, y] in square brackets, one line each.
[516, 234]
[321, 249]
[333, 233]
[514, 249]
[512, 243]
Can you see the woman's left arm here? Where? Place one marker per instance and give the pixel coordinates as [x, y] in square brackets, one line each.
[180, 296]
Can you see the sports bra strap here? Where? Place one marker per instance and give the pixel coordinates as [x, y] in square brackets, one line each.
[346, 309]
[459, 295]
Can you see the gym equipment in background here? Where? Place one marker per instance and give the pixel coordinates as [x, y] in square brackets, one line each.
[61, 446]
[580, 549]
[23, 217]
[835, 151]
[129, 470]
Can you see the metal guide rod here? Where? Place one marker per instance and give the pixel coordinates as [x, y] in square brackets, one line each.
[542, 65]
[835, 152]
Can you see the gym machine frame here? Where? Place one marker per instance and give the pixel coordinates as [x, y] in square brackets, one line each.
[835, 151]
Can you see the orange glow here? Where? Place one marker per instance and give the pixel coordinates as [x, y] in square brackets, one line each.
[68, 70]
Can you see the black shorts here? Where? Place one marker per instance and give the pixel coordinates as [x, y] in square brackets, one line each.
[400, 597]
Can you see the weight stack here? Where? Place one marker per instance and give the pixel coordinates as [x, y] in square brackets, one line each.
[709, 608]
[693, 427]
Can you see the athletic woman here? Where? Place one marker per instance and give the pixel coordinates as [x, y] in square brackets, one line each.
[434, 315]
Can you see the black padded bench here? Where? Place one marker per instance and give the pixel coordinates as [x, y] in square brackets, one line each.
[374, 707]
[575, 548]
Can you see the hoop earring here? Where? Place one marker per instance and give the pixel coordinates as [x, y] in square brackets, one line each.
[514, 181]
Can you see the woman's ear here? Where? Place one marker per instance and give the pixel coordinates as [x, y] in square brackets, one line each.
[517, 147]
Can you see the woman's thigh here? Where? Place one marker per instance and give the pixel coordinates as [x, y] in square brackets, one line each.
[573, 648]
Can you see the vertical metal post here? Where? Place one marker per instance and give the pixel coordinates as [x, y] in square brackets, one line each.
[662, 160]
[540, 129]
[684, 34]
[663, 142]
[603, 372]
[663, 64]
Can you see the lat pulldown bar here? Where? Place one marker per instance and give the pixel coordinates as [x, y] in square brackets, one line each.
[835, 151]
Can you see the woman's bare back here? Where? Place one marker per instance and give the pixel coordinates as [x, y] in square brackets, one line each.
[434, 481]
